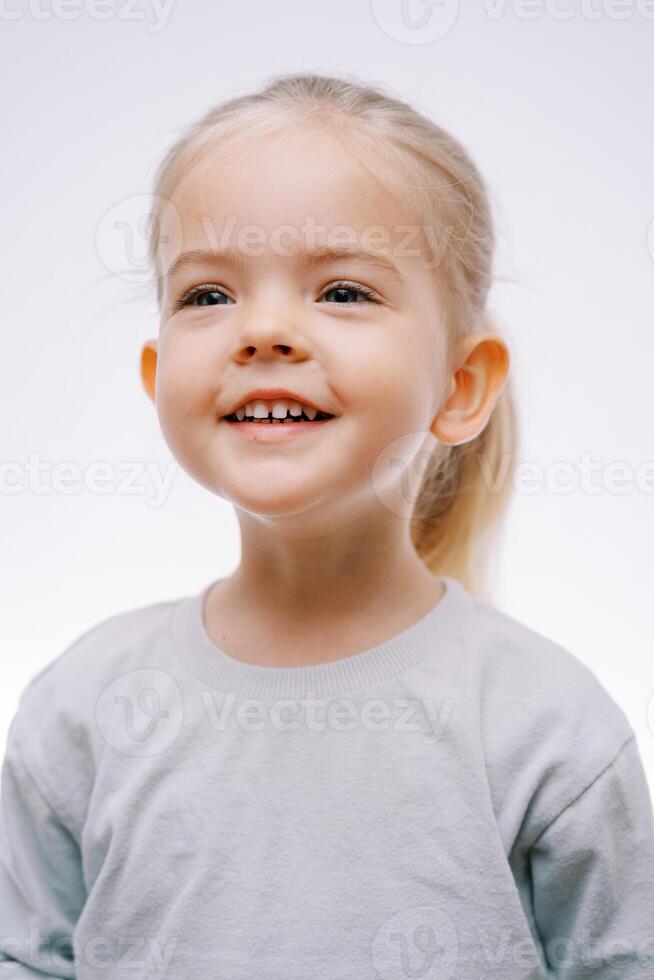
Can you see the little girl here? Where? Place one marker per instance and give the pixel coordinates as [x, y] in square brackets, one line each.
[341, 762]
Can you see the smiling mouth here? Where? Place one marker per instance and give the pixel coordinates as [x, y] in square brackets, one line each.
[269, 420]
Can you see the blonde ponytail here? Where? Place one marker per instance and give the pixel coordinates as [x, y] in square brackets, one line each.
[464, 495]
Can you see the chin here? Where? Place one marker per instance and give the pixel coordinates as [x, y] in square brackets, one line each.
[273, 502]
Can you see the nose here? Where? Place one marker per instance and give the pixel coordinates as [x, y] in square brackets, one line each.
[269, 333]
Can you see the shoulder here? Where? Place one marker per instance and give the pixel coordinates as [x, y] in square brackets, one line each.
[524, 668]
[55, 726]
[118, 643]
[550, 727]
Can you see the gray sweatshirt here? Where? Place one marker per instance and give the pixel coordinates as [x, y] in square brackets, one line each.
[464, 801]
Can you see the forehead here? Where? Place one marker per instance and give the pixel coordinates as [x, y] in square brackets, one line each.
[302, 187]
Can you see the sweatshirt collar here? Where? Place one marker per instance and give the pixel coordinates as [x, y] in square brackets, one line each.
[218, 670]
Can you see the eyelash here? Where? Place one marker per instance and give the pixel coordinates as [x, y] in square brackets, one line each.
[369, 294]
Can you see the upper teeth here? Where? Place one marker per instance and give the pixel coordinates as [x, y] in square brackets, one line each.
[278, 408]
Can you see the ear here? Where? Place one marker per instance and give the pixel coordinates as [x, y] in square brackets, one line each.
[149, 368]
[473, 389]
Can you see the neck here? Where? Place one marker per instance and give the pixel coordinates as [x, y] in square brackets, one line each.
[311, 572]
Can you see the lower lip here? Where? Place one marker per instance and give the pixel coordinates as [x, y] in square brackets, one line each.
[276, 431]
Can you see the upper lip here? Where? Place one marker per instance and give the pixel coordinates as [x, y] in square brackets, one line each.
[269, 394]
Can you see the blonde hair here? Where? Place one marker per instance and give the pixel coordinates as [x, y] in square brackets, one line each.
[457, 513]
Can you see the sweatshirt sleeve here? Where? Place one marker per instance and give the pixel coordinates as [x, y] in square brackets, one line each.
[592, 873]
[41, 884]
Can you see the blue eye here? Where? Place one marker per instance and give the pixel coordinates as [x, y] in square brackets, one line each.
[344, 291]
[206, 295]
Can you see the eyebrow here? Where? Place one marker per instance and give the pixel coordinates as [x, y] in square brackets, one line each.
[304, 259]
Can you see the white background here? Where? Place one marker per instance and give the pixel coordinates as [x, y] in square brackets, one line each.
[555, 105]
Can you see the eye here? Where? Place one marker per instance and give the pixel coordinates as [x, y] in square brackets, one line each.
[343, 292]
[207, 294]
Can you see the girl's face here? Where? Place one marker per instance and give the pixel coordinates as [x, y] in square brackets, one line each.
[359, 336]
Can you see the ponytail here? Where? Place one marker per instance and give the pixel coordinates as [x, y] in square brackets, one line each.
[463, 497]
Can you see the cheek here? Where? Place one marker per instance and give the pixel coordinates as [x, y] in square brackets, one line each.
[390, 392]
[185, 402]
[186, 384]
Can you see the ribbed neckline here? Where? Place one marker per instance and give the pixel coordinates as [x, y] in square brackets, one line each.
[218, 670]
